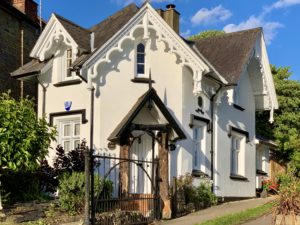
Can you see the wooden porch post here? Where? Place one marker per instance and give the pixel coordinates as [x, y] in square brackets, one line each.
[124, 170]
[163, 154]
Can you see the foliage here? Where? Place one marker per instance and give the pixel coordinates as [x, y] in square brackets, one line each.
[206, 34]
[205, 195]
[288, 202]
[22, 186]
[197, 194]
[24, 139]
[286, 126]
[241, 217]
[270, 186]
[69, 162]
[72, 189]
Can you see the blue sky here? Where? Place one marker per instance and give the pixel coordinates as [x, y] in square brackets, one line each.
[279, 18]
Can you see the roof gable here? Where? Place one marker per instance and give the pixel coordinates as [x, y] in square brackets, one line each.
[53, 34]
[148, 19]
[150, 95]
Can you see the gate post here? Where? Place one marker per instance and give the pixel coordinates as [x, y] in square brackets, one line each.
[87, 182]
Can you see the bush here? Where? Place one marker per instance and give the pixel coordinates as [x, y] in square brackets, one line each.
[198, 195]
[72, 190]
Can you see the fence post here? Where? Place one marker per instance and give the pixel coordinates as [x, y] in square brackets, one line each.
[87, 171]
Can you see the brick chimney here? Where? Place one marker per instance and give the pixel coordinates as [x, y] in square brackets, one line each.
[28, 7]
[171, 16]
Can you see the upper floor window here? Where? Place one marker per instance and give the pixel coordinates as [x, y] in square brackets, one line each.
[69, 63]
[140, 59]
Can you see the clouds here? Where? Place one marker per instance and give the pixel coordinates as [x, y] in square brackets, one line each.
[206, 17]
[270, 28]
[284, 4]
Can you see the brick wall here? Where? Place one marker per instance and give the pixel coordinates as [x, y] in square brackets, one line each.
[10, 51]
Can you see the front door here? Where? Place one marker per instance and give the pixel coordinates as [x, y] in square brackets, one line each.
[141, 149]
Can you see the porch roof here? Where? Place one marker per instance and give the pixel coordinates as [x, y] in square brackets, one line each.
[126, 122]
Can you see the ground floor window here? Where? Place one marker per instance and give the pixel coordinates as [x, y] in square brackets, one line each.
[69, 133]
[199, 131]
[238, 144]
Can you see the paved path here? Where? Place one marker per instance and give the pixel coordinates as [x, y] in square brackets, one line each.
[217, 211]
[264, 220]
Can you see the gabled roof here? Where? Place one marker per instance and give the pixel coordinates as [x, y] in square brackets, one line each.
[229, 53]
[78, 33]
[137, 107]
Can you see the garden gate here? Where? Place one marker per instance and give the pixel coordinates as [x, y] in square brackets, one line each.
[133, 200]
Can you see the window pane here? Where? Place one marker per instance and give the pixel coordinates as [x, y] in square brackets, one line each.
[77, 129]
[140, 69]
[67, 146]
[141, 48]
[76, 144]
[67, 129]
[69, 73]
[141, 58]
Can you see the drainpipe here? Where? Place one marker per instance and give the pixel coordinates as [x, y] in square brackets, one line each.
[44, 97]
[21, 57]
[212, 152]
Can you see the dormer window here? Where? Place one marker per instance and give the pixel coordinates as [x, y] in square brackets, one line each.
[69, 64]
[140, 60]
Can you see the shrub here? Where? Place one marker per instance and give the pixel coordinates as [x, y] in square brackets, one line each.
[205, 195]
[201, 194]
[72, 190]
[288, 202]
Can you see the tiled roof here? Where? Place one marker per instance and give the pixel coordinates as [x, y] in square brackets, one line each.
[229, 53]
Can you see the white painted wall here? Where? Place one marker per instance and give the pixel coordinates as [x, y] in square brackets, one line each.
[227, 116]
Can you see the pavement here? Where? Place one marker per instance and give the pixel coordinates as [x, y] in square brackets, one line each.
[218, 211]
[264, 220]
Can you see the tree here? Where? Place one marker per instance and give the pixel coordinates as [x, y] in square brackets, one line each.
[206, 34]
[24, 139]
[286, 127]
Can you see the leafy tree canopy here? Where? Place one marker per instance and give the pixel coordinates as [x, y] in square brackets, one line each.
[206, 34]
[24, 139]
[286, 127]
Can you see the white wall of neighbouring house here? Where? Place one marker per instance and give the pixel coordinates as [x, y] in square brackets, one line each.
[228, 116]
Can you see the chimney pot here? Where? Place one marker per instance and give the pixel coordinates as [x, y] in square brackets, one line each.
[171, 6]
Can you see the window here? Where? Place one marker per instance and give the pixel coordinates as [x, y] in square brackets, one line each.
[199, 147]
[140, 59]
[237, 154]
[69, 133]
[69, 63]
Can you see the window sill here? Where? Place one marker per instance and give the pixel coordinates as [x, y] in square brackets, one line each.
[238, 177]
[199, 173]
[67, 83]
[261, 172]
[142, 80]
[238, 107]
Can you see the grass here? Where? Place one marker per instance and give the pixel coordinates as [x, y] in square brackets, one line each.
[241, 217]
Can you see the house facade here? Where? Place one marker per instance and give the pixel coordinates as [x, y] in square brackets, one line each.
[191, 104]
[20, 30]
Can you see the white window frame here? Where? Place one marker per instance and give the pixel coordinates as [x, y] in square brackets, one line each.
[72, 138]
[238, 148]
[140, 75]
[65, 65]
[199, 146]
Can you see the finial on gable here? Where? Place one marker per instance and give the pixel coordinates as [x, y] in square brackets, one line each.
[150, 80]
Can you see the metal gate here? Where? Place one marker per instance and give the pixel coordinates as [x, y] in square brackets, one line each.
[119, 201]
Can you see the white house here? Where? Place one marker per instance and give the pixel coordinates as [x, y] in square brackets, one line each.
[190, 103]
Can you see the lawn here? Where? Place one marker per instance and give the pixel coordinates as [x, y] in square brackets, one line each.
[242, 217]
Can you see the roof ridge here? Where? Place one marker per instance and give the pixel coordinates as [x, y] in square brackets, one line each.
[229, 34]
